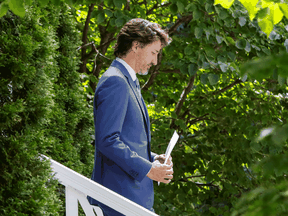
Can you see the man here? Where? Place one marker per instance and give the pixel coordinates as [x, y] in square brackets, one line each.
[124, 162]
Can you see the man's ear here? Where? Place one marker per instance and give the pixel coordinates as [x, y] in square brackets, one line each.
[135, 46]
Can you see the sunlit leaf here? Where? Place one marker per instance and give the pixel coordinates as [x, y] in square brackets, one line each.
[284, 9]
[3, 9]
[276, 13]
[250, 5]
[266, 25]
[17, 7]
[224, 3]
[29, 2]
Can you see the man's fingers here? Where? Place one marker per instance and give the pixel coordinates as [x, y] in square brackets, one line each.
[167, 181]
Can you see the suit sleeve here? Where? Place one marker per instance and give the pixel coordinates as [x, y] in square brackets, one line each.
[112, 102]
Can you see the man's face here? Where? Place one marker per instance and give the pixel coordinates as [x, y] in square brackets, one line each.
[147, 56]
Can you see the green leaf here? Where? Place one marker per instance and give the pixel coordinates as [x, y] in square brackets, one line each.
[43, 3]
[281, 80]
[219, 39]
[184, 69]
[118, 14]
[263, 13]
[188, 50]
[180, 6]
[242, 21]
[54, 2]
[209, 8]
[259, 68]
[3, 9]
[173, 8]
[119, 22]
[210, 51]
[232, 56]
[108, 12]
[198, 32]
[224, 3]
[109, 3]
[93, 78]
[29, 2]
[101, 17]
[213, 79]
[204, 78]
[118, 3]
[284, 9]
[112, 21]
[241, 44]
[197, 15]
[230, 40]
[280, 135]
[192, 69]
[191, 7]
[223, 67]
[223, 14]
[250, 5]
[248, 47]
[17, 7]
[266, 50]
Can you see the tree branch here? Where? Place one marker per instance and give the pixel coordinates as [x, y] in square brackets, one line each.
[92, 52]
[84, 38]
[171, 71]
[201, 118]
[184, 19]
[156, 7]
[183, 97]
[228, 87]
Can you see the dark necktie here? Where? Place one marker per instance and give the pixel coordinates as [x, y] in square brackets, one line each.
[138, 86]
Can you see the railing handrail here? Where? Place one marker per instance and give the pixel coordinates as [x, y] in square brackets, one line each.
[70, 178]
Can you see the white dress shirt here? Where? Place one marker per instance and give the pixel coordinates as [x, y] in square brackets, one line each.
[128, 67]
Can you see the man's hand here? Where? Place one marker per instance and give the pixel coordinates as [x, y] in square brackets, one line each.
[161, 172]
[161, 158]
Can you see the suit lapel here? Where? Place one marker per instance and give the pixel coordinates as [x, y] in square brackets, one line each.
[132, 85]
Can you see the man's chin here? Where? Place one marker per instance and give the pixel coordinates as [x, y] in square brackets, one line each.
[145, 72]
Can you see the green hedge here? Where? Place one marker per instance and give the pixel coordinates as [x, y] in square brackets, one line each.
[43, 109]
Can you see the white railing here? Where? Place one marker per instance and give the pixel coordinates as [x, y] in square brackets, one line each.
[78, 187]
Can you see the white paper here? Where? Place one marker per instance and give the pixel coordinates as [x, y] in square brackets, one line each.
[170, 147]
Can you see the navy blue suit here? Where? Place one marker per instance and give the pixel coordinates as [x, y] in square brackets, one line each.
[122, 139]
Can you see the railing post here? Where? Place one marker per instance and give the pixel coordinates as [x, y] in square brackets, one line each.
[71, 202]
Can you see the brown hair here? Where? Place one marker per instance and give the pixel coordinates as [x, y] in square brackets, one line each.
[140, 30]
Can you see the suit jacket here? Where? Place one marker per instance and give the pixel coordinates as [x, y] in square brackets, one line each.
[122, 138]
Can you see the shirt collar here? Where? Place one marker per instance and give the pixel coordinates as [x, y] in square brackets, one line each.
[128, 67]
